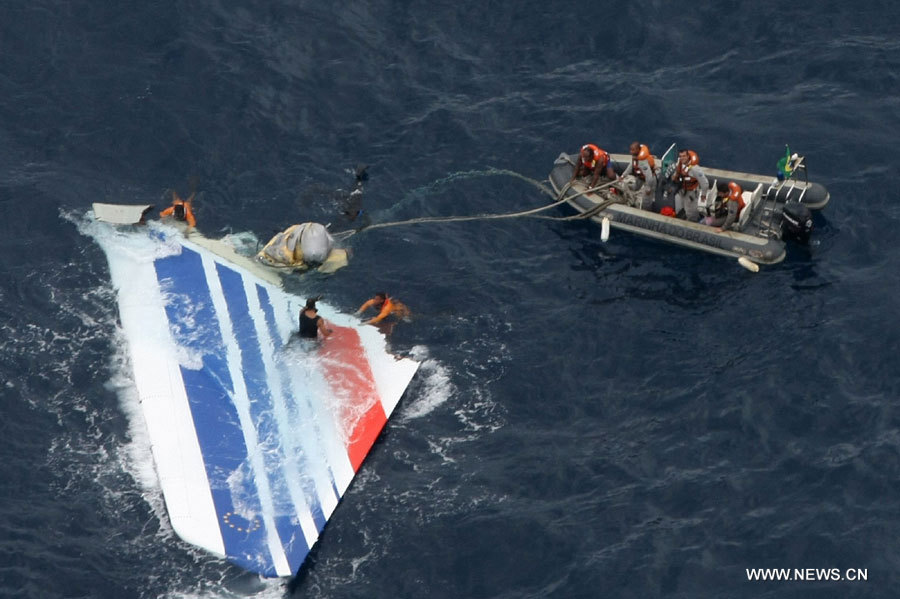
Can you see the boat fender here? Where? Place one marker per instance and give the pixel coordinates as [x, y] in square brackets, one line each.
[748, 264]
[604, 230]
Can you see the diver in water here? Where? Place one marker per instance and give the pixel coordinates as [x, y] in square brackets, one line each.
[310, 321]
[353, 206]
[180, 209]
[386, 306]
[350, 204]
[342, 204]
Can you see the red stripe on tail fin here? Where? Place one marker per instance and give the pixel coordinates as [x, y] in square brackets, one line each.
[347, 370]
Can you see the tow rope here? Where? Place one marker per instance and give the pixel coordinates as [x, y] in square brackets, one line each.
[532, 213]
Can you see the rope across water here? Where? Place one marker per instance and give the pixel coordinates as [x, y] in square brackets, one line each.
[532, 213]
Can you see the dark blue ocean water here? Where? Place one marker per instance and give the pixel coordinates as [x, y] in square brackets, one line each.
[619, 420]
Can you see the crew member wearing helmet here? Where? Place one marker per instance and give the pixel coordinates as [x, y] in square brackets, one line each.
[643, 167]
[594, 161]
[727, 209]
[693, 183]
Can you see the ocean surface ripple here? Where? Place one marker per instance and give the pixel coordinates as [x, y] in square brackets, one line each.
[622, 419]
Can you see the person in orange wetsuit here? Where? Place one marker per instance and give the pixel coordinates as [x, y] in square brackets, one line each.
[180, 210]
[385, 306]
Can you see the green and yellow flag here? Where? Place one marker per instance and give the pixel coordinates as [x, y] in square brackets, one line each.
[784, 165]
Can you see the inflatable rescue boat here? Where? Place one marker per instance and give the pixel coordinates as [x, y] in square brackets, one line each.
[775, 209]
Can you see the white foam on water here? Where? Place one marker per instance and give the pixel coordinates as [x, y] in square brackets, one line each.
[138, 460]
[434, 386]
[244, 242]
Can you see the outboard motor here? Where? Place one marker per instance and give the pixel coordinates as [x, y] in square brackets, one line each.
[796, 221]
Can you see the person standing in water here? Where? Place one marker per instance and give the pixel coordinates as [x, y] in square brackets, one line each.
[310, 321]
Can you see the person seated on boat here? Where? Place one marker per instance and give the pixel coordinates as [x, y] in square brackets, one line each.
[692, 181]
[727, 208]
[310, 321]
[386, 306]
[643, 167]
[180, 209]
[593, 161]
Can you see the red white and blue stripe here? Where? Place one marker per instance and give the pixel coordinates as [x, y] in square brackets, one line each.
[255, 437]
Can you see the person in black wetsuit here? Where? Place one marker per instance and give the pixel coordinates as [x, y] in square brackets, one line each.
[310, 321]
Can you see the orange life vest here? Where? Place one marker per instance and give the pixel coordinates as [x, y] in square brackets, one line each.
[735, 194]
[598, 156]
[643, 154]
[688, 182]
[181, 210]
[387, 307]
